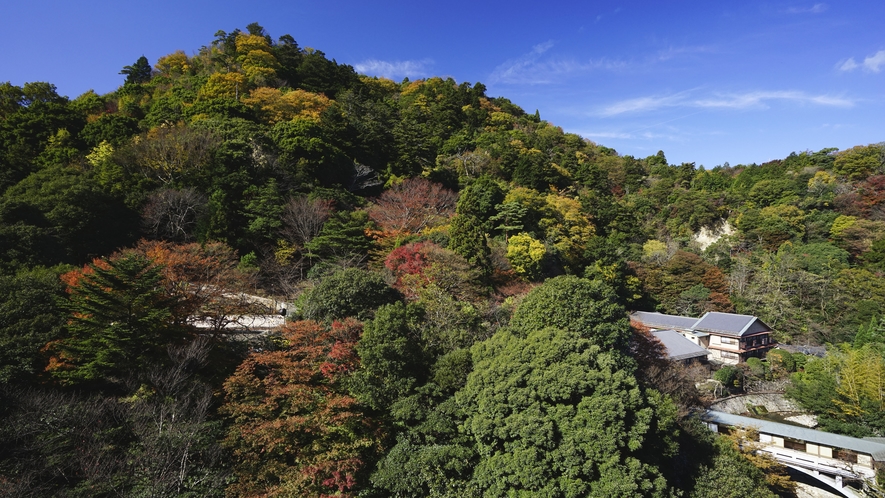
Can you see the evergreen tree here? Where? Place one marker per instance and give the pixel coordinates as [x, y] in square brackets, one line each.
[140, 72]
[121, 320]
[552, 414]
[468, 239]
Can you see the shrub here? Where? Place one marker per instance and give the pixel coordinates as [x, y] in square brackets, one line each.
[729, 376]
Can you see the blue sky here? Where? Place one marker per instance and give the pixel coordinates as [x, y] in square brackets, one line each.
[706, 82]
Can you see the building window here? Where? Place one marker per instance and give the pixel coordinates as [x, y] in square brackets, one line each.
[755, 342]
[728, 340]
[794, 444]
[845, 455]
[729, 355]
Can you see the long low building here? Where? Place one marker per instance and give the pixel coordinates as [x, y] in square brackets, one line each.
[815, 452]
[730, 338]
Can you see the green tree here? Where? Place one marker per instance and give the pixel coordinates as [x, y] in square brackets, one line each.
[509, 218]
[264, 212]
[29, 318]
[342, 236]
[58, 214]
[589, 308]
[871, 332]
[772, 225]
[29, 116]
[875, 257]
[351, 292]
[140, 72]
[309, 152]
[392, 362]
[468, 239]
[433, 460]
[781, 359]
[553, 414]
[114, 129]
[480, 198]
[860, 161]
[730, 475]
[121, 321]
[844, 389]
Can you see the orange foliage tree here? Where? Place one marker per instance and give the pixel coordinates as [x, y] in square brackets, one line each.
[295, 431]
[205, 282]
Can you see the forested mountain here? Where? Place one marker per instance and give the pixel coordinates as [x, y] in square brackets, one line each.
[461, 272]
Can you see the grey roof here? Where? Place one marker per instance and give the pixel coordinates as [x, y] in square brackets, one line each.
[661, 321]
[869, 446]
[730, 324]
[678, 347]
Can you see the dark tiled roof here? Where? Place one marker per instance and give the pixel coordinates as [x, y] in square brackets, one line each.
[870, 446]
[662, 321]
[730, 324]
[678, 347]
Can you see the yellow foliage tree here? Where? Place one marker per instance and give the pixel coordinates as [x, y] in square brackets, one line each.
[379, 86]
[820, 180]
[276, 105]
[527, 198]
[525, 254]
[224, 85]
[100, 153]
[745, 441]
[166, 152]
[842, 223]
[569, 228]
[174, 64]
[655, 252]
[255, 57]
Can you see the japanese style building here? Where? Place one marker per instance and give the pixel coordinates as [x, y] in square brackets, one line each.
[729, 337]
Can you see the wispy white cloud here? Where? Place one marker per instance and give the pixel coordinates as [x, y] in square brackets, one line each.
[636, 135]
[394, 69]
[533, 69]
[673, 52]
[875, 62]
[642, 104]
[515, 70]
[607, 134]
[758, 99]
[849, 65]
[601, 16]
[538, 67]
[746, 100]
[872, 63]
[814, 9]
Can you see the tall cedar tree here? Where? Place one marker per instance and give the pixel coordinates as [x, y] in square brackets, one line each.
[121, 320]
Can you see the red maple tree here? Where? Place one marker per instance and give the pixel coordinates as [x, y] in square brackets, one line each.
[295, 430]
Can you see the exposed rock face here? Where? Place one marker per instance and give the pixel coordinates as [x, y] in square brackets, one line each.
[774, 403]
[709, 235]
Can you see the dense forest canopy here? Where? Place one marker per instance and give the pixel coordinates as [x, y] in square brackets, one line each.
[459, 270]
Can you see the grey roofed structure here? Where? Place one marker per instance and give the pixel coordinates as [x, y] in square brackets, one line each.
[730, 324]
[678, 347]
[729, 337]
[868, 446]
[661, 321]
